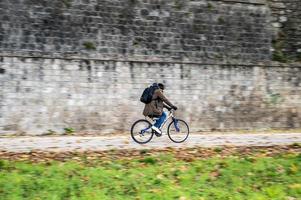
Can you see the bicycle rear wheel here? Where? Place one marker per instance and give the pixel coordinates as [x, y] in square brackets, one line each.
[141, 131]
[178, 131]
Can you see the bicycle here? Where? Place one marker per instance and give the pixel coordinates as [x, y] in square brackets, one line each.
[177, 130]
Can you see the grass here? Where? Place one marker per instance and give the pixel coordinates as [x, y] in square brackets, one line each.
[159, 176]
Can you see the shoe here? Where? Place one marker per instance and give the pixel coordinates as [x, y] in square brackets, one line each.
[157, 131]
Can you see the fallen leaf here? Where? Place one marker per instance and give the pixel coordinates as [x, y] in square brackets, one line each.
[295, 186]
[160, 176]
[183, 168]
[294, 168]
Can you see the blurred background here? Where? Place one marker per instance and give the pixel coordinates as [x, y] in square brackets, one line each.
[82, 65]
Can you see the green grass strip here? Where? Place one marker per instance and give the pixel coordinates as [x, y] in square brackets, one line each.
[155, 177]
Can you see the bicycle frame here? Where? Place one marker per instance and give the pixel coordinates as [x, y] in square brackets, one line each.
[170, 115]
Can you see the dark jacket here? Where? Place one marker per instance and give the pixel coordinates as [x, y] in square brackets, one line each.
[155, 107]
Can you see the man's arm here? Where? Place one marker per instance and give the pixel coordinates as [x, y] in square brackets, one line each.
[166, 106]
[164, 99]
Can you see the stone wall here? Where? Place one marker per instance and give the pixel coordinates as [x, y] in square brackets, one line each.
[84, 63]
[174, 30]
[38, 95]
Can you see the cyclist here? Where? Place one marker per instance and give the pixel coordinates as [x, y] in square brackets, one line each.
[155, 108]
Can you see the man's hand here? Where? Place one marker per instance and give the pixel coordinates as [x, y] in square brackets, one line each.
[174, 107]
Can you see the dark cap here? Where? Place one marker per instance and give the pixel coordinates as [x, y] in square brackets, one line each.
[161, 86]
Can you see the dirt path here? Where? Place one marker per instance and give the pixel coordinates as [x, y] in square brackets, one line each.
[71, 143]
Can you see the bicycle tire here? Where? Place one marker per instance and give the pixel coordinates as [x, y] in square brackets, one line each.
[169, 135]
[133, 134]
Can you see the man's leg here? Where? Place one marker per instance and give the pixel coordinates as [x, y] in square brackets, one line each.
[160, 121]
[156, 127]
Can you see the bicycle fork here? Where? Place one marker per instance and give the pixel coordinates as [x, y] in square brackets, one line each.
[175, 121]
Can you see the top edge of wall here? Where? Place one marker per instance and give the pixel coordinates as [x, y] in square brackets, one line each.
[153, 61]
[254, 2]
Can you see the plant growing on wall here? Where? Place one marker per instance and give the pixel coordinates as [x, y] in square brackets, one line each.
[50, 132]
[278, 54]
[89, 46]
[281, 55]
[179, 4]
[274, 99]
[209, 6]
[299, 57]
[133, 1]
[69, 130]
[221, 20]
[67, 3]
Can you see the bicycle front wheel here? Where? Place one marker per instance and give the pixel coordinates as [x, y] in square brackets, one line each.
[178, 131]
[141, 131]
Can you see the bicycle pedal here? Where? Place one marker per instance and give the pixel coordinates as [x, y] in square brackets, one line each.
[158, 134]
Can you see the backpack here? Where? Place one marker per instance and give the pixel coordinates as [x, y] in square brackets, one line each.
[148, 93]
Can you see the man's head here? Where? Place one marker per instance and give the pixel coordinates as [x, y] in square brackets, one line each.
[161, 86]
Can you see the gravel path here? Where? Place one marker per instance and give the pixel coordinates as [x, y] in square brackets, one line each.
[71, 143]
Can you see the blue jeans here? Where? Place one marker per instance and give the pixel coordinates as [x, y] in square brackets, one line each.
[160, 121]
